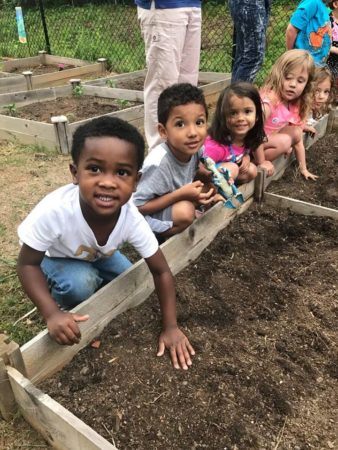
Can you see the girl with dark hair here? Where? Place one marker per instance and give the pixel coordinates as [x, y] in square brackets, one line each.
[236, 134]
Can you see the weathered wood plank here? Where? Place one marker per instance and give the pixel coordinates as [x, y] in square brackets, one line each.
[63, 76]
[55, 59]
[320, 126]
[209, 77]
[27, 127]
[128, 114]
[300, 207]
[8, 406]
[58, 426]
[108, 92]
[23, 63]
[13, 84]
[28, 139]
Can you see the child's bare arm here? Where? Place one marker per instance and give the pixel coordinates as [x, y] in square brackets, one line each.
[291, 35]
[260, 161]
[189, 192]
[62, 326]
[301, 159]
[171, 337]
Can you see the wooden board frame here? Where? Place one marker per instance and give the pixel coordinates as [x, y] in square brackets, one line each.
[60, 136]
[42, 356]
[18, 82]
[51, 135]
[215, 82]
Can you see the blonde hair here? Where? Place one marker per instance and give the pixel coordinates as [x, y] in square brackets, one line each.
[289, 61]
[321, 74]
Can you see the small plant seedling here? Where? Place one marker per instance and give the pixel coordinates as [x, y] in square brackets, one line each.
[78, 91]
[11, 109]
[111, 83]
[122, 103]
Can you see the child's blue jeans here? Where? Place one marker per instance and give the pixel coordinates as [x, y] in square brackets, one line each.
[71, 281]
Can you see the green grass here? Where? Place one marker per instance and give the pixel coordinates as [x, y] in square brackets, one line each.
[112, 31]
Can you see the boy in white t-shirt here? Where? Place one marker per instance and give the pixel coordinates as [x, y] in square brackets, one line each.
[70, 239]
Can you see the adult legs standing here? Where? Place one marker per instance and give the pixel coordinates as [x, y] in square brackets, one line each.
[250, 19]
[172, 40]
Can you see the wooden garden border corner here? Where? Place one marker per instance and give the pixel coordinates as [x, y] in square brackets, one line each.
[41, 357]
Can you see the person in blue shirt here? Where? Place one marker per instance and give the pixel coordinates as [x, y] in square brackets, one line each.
[309, 29]
[171, 30]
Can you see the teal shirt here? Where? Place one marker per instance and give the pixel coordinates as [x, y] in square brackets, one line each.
[312, 20]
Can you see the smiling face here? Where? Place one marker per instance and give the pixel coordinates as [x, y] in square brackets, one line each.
[294, 83]
[322, 94]
[240, 118]
[106, 174]
[185, 130]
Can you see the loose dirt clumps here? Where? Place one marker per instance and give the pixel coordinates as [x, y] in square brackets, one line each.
[43, 68]
[74, 107]
[322, 160]
[259, 308]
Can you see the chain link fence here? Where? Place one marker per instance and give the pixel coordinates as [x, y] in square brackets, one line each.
[109, 28]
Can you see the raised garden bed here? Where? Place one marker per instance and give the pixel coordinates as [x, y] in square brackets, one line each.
[263, 332]
[262, 325]
[24, 114]
[45, 71]
[212, 83]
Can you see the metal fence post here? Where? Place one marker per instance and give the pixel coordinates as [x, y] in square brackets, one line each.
[44, 24]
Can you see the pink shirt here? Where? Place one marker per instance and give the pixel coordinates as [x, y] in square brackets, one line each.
[281, 115]
[223, 153]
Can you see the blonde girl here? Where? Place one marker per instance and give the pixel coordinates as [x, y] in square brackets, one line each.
[322, 92]
[287, 99]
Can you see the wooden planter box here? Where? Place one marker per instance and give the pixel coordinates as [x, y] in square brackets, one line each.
[11, 82]
[58, 134]
[41, 357]
[213, 83]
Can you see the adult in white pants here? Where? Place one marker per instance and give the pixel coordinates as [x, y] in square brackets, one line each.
[171, 30]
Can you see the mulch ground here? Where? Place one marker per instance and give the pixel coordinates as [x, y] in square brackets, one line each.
[259, 307]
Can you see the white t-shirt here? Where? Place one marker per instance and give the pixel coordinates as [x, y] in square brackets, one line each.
[56, 226]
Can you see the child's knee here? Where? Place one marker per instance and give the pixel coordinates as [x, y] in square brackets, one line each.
[183, 214]
[75, 290]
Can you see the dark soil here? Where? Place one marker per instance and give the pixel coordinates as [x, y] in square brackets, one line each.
[75, 108]
[135, 84]
[41, 69]
[322, 160]
[259, 307]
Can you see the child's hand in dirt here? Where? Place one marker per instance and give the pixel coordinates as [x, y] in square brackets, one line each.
[178, 345]
[191, 191]
[63, 328]
[269, 167]
[308, 175]
[244, 167]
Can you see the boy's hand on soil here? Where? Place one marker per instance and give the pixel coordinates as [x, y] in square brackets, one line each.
[178, 345]
[308, 175]
[63, 328]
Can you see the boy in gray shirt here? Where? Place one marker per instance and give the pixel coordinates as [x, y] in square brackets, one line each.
[166, 194]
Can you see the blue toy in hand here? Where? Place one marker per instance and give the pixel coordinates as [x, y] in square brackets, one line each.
[220, 178]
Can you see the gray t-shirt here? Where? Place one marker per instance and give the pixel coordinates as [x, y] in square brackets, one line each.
[163, 173]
